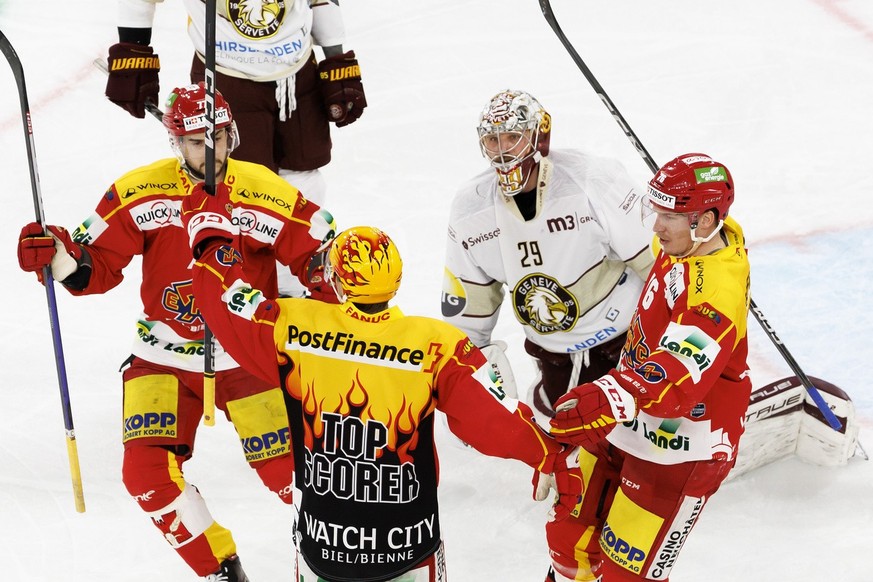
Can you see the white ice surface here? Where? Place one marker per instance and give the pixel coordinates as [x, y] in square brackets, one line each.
[780, 91]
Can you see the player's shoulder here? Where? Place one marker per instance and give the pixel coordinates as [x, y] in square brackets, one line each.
[734, 233]
[720, 279]
[158, 178]
[476, 194]
[256, 185]
[434, 329]
[586, 168]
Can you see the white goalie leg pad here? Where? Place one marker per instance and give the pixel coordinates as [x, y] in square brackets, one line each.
[495, 353]
[184, 519]
[772, 425]
[782, 420]
[817, 442]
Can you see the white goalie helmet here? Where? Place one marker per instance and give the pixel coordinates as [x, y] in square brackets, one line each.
[514, 132]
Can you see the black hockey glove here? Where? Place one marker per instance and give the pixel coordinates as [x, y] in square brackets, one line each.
[341, 88]
[133, 77]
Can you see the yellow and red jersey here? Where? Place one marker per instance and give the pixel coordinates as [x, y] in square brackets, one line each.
[140, 215]
[361, 394]
[685, 356]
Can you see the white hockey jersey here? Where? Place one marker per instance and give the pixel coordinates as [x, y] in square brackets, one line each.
[574, 271]
[261, 41]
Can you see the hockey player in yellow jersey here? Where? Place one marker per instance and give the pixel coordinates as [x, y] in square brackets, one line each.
[362, 382]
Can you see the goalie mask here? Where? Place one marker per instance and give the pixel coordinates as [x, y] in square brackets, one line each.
[364, 266]
[514, 132]
[690, 184]
[186, 115]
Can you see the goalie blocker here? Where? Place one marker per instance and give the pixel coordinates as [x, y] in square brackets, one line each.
[783, 420]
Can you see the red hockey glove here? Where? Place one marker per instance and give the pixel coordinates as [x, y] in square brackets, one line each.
[133, 77]
[341, 88]
[206, 216]
[36, 250]
[587, 413]
[567, 481]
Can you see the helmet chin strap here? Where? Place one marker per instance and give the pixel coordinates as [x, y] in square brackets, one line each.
[198, 177]
[700, 240]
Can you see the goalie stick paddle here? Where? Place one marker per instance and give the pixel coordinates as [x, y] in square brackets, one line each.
[72, 449]
[546, 8]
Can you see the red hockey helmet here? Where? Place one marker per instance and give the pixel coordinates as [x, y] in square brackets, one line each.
[186, 110]
[692, 184]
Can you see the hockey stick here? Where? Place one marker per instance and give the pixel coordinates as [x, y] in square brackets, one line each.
[208, 340]
[546, 8]
[72, 449]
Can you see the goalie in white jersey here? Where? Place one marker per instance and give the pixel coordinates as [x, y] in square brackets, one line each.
[561, 231]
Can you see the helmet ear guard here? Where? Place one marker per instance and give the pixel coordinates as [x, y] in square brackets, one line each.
[364, 266]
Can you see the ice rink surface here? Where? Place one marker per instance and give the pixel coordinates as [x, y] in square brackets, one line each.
[780, 92]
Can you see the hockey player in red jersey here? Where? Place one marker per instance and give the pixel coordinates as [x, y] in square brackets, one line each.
[284, 99]
[362, 383]
[163, 380]
[661, 432]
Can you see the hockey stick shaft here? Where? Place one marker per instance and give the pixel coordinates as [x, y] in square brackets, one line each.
[546, 7]
[816, 396]
[72, 448]
[208, 340]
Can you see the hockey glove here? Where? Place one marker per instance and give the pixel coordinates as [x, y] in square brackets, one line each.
[341, 88]
[36, 250]
[587, 413]
[207, 217]
[567, 481]
[133, 77]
